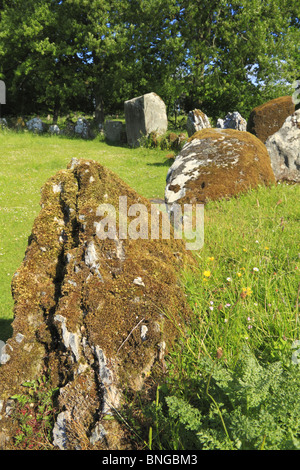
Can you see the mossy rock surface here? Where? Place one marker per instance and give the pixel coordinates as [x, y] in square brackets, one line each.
[95, 315]
[216, 164]
[266, 119]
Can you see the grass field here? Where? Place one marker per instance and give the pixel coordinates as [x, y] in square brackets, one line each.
[245, 297]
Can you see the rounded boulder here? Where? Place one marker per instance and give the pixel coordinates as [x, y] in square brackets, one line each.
[216, 164]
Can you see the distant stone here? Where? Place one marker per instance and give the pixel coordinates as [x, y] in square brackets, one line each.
[35, 125]
[2, 92]
[215, 164]
[82, 129]
[296, 94]
[69, 128]
[284, 149]
[3, 123]
[54, 129]
[113, 131]
[196, 121]
[233, 121]
[144, 115]
[266, 119]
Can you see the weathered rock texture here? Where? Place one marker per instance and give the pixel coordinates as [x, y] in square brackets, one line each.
[82, 129]
[35, 125]
[233, 121]
[114, 131]
[266, 119]
[196, 121]
[2, 92]
[215, 164]
[54, 129]
[94, 314]
[3, 123]
[143, 115]
[284, 149]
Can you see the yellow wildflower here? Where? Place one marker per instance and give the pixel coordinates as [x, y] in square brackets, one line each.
[211, 258]
[247, 290]
[239, 274]
[206, 273]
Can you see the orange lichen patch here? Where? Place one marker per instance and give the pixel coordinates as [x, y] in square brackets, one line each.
[175, 188]
[239, 162]
[268, 118]
[199, 113]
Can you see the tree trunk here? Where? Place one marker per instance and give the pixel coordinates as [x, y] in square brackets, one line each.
[56, 110]
[99, 109]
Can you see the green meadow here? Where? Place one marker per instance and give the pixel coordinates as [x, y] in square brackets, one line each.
[233, 377]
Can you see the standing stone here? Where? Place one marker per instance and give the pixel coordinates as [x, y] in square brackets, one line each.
[266, 119]
[3, 123]
[143, 115]
[35, 125]
[284, 149]
[54, 129]
[216, 164]
[296, 94]
[196, 121]
[2, 92]
[114, 131]
[82, 128]
[92, 313]
[233, 121]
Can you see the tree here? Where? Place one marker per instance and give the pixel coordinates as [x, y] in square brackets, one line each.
[220, 56]
[40, 61]
[155, 49]
[237, 52]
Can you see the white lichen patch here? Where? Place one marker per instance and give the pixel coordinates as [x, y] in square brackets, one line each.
[57, 188]
[70, 340]
[144, 331]
[111, 395]
[138, 281]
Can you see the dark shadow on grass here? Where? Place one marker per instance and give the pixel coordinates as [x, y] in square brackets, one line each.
[167, 163]
[6, 330]
[116, 144]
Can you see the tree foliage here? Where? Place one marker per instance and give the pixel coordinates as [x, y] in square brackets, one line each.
[92, 55]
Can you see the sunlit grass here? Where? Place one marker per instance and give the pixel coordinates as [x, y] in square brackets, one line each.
[246, 290]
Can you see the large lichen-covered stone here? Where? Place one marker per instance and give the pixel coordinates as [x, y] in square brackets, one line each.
[95, 315]
[266, 119]
[215, 164]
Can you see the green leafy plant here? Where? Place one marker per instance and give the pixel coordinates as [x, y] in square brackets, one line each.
[34, 413]
[250, 407]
